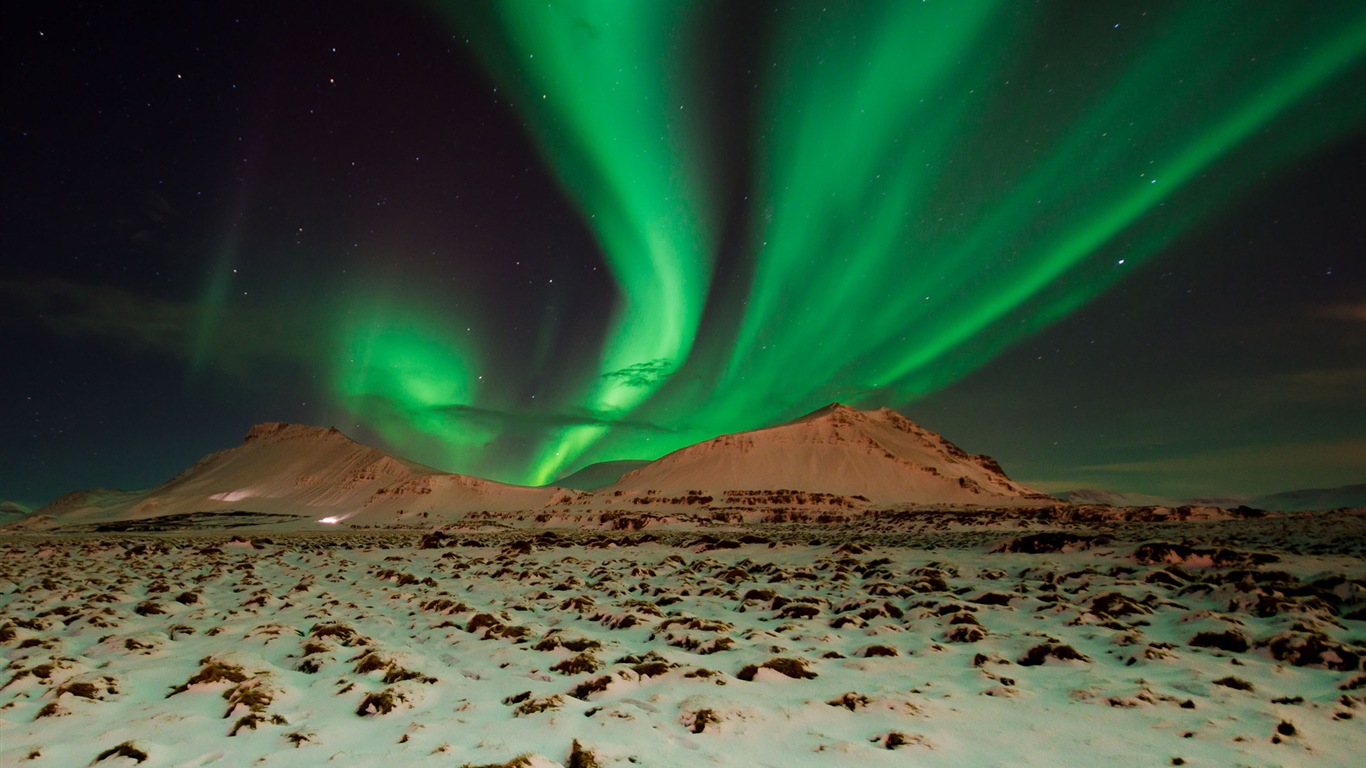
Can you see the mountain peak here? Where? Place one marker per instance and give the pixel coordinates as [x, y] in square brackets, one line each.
[280, 431]
[836, 411]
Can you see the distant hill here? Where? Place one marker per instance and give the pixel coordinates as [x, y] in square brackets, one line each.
[305, 473]
[11, 511]
[599, 475]
[1116, 498]
[1313, 498]
[1288, 501]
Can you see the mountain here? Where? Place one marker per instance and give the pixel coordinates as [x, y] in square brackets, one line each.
[1309, 499]
[1313, 499]
[296, 476]
[304, 474]
[11, 511]
[1117, 498]
[878, 455]
[599, 475]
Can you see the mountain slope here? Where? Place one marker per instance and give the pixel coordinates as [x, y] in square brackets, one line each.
[1313, 499]
[306, 472]
[879, 455]
[599, 475]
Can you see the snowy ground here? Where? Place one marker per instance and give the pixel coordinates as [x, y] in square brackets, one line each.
[366, 649]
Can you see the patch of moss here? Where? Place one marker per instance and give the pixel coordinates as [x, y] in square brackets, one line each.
[581, 757]
[794, 668]
[520, 761]
[126, 749]
[555, 639]
[1236, 683]
[702, 718]
[370, 661]
[577, 665]
[397, 674]
[1228, 640]
[337, 631]
[589, 687]
[850, 701]
[1313, 649]
[212, 671]
[149, 608]
[381, 703]
[85, 690]
[1045, 651]
[534, 706]
[253, 694]
[247, 722]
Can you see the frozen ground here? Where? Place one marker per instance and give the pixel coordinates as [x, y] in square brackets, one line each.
[1241, 643]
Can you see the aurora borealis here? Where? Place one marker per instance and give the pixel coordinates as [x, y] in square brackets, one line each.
[1113, 244]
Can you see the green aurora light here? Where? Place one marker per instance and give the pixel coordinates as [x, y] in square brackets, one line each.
[596, 80]
[931, 184]
[404, 369]
[853, 226]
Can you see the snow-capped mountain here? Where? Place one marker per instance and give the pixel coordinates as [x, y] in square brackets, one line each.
[878, 455]
[313, 473]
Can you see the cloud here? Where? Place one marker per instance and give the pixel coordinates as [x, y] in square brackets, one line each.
[493, 419]
[1283, 458]
[1352, 313]
[85, 310]
[249, 335]
[547, 420]
[1177, 471]
[647, 374]
[1320, 385]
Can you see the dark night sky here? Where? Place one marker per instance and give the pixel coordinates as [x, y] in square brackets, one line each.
[1115, 245]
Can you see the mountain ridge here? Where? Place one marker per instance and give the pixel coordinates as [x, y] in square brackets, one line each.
[1299, 500]
[835, 456]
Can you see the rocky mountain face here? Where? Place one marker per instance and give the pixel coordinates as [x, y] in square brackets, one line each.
[877, 456]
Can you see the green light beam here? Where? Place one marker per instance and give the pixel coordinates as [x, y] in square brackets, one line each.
[596, 82]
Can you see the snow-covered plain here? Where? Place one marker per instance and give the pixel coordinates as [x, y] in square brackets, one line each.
[910, 645]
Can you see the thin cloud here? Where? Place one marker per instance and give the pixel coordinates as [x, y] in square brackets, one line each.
[543, 420]
[1338, 454]
[1352, 313]
[249, 335]
[647, 374]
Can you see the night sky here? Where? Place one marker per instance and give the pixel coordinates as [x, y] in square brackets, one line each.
[1115, 245]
